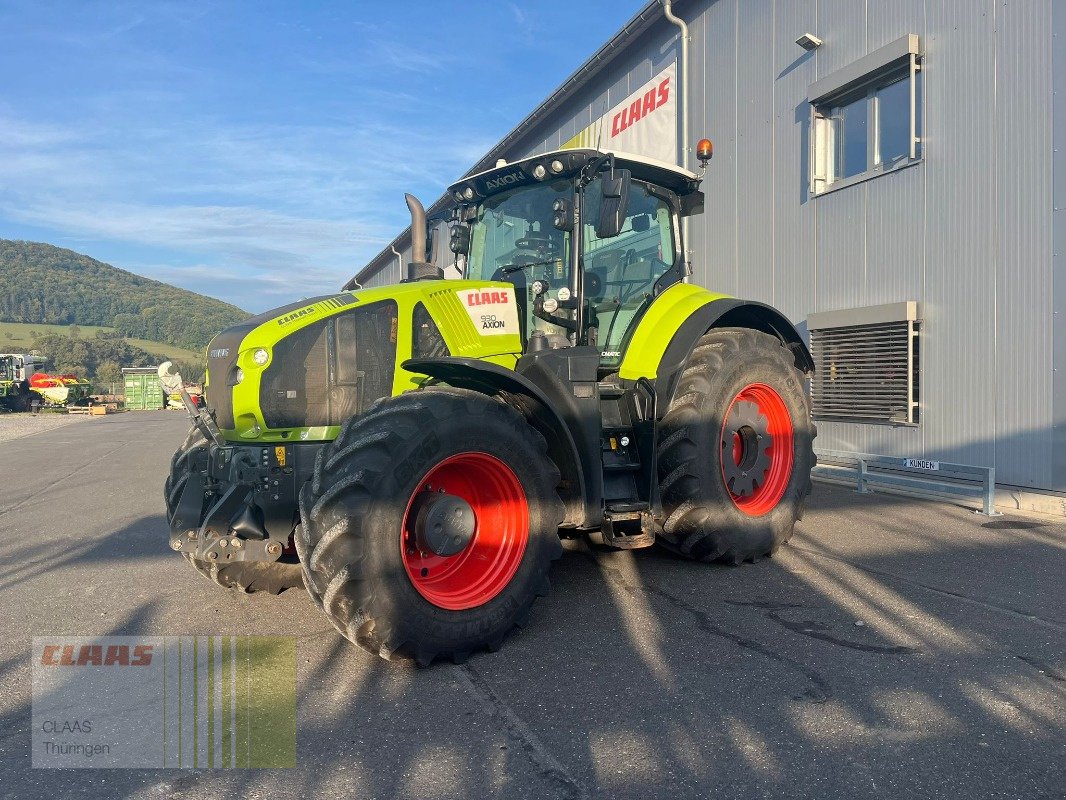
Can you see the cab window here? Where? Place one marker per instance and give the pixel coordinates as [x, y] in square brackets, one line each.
[620, 272]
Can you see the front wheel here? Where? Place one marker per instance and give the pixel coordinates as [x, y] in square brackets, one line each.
[735, 449]
[430, 525]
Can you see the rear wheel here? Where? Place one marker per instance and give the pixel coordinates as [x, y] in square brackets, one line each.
[735, 449]
[245, 576]
[430, 525]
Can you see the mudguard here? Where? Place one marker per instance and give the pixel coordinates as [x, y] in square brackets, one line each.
[661, 344]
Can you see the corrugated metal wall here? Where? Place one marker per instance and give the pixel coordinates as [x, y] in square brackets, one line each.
[968, 232]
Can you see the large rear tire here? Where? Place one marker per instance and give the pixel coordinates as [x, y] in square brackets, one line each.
[735, 449]
[246, 576]
[363, 537]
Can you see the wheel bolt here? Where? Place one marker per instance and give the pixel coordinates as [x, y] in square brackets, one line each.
[176, 545]
[190, 534]
[236, 543]
[223, 543]
[274, 548]
[212, 556]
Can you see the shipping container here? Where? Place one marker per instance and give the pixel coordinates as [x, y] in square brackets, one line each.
[143, 390]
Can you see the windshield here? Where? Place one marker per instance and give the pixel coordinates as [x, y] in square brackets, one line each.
[513, 239]
[621, 272]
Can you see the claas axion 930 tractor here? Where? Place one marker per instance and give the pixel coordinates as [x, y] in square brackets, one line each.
[413, 454]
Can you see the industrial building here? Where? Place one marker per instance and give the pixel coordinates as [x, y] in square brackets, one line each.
[887, 175]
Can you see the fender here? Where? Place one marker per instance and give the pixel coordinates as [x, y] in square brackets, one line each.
[728, 313]
[529, 399]
[662, 359]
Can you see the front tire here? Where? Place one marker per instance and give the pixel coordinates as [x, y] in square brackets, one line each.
[735, 449]
[367, 563]
[273, 577]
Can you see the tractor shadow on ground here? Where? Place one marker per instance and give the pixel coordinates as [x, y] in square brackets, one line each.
[643, 674]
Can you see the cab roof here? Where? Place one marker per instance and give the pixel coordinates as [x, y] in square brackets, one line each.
[519, 173]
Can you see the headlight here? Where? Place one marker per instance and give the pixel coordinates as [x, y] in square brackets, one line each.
[261, 356]
[564, 294]
[551, 305]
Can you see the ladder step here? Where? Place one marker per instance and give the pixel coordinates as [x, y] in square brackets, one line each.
[623, 507]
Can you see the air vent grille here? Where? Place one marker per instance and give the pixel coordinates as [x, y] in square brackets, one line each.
[866, 373]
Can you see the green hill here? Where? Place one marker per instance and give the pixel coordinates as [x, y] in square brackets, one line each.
[44, 284]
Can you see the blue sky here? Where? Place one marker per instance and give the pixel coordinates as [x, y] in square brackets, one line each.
[259, 151]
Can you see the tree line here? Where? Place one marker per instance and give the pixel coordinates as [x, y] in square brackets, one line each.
[40, 283]
[101, 358]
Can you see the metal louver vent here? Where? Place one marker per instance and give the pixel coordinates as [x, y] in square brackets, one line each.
[866, 363]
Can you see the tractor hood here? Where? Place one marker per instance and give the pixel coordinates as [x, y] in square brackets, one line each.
[301, 369]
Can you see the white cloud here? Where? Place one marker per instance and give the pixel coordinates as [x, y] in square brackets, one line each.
[299, 208]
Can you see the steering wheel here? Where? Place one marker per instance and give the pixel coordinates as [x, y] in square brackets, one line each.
[538, 242]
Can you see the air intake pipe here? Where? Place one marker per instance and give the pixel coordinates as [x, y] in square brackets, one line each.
[419, 269]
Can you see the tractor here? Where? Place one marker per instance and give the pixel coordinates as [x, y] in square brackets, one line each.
[15, 391]
[415, 454]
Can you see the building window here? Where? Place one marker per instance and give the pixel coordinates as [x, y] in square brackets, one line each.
[866, 364]
[866, 118]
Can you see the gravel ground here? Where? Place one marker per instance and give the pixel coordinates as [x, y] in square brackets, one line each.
[15, 426]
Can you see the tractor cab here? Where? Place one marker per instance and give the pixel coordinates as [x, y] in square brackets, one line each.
[15, 371]
[589, 240]
[15, 366]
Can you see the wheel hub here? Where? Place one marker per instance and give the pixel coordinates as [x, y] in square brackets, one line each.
[480, 506]
[745, 441]
[444, 524]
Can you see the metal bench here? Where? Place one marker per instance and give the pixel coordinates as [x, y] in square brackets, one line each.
[921, 477]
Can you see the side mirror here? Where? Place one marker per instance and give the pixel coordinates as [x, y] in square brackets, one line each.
[614, 203]
[460, 240]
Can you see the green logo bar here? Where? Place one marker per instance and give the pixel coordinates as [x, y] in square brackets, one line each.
[174, 701]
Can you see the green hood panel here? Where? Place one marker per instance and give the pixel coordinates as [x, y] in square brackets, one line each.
[477, 319]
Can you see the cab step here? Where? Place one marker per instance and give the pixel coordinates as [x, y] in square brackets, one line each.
[628, 526]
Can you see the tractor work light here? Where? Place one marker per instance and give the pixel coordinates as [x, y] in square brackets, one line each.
[562, 219]
[539, 172]
[261, 356]
[557, 166]
[458, 195]
[460, 239]
[468, 193]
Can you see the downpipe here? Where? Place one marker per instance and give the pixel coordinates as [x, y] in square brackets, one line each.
[682, 26]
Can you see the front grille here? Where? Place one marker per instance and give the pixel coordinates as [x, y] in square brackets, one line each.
[331, 370]
[295, 386]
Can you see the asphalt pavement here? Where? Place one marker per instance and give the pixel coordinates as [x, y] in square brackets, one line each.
[897, 648]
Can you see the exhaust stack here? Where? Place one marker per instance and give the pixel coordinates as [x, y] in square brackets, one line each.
[419, 269]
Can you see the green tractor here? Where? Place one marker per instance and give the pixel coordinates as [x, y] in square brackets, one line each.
[15, 372]
[413, 454]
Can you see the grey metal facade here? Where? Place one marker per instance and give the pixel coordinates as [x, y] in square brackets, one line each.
[971, 232]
